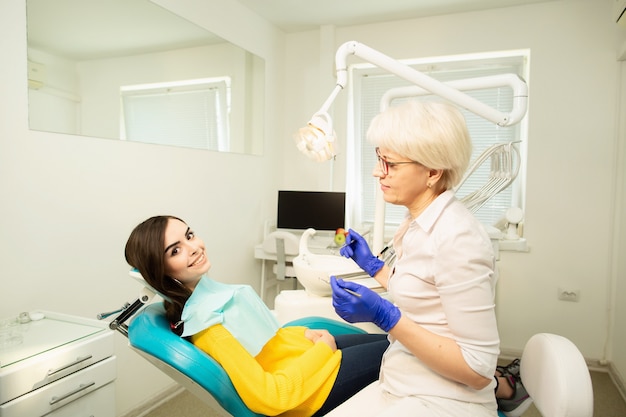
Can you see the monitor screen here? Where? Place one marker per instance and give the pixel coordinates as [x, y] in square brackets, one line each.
[320, 210]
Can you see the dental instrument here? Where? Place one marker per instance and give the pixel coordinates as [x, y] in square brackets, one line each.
[110, 313]
[345, 245]
[504, 162]
[349, 291]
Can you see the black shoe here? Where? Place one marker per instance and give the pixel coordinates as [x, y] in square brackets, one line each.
[510, 369]
[519, 401]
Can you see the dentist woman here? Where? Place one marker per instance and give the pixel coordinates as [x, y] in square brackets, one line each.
[442, 322]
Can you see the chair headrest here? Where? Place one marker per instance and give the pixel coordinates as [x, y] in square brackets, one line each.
[134, 273]
[556, 376]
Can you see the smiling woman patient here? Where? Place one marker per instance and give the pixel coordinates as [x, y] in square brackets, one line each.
[291, 371]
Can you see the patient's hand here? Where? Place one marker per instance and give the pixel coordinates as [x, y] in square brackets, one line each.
[315, 336]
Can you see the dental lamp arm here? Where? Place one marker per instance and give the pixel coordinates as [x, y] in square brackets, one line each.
[316, 140]
[450, 91]
[519, 87]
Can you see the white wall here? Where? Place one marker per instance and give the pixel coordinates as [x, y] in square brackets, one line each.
[574, 87]
[68, 203]
[618, 290]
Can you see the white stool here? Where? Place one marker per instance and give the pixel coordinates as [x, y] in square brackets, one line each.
[281, 244]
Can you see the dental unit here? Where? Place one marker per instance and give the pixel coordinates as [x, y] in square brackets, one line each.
[317, 139]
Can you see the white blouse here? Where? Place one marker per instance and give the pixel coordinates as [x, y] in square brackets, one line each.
[444, 279]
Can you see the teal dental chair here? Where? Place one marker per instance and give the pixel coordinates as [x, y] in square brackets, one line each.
[553, 369]
[149, 335]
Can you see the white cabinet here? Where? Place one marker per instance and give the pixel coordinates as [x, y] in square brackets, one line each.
[64, 367]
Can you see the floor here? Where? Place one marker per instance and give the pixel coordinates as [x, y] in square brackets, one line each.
[607, 402]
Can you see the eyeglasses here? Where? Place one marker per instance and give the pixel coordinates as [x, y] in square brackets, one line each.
[384, 164]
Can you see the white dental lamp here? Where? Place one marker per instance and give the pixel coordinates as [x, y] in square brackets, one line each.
[316, 140]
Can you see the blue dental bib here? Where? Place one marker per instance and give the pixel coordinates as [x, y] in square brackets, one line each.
[237, 307]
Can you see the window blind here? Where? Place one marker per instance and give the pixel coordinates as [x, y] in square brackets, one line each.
[194, 116]
[370, 83]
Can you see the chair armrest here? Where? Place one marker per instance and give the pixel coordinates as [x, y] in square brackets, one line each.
[335, 327]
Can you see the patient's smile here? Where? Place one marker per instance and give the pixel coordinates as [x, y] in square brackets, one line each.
[199, 261]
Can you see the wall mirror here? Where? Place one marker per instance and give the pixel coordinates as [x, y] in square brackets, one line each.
[132, 70]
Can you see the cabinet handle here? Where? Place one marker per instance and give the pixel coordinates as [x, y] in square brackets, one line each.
[80, 388]
[76, 362]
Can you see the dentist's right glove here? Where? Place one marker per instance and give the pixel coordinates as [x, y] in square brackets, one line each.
[356, 248]
[367, 306]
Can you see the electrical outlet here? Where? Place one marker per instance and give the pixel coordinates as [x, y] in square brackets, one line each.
[567, 294]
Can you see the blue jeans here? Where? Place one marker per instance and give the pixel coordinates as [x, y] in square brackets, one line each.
[361, 355]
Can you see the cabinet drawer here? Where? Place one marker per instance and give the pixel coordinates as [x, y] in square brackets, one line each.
[62, 392]
[42, 369]
[100, 403]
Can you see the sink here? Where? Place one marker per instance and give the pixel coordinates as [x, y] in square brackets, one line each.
[314, 271]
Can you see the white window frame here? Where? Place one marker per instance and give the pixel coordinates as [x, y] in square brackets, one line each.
[360, 185]
[189, 113]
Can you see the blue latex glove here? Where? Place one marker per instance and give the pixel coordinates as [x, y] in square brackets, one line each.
[356, 248]
[367, 306]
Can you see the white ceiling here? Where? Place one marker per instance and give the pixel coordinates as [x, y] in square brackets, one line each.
[125, 27]
[299, 15]
[108, 28]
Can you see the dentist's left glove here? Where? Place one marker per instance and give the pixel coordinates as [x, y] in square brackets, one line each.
[367, 306]
[357, 248]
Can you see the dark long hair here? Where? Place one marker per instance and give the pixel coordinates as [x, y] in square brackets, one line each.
[145, 252]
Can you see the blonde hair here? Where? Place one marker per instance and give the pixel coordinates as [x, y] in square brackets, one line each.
[432, 133]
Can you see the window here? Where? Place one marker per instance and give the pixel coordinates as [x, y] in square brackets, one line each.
[369, 83]
[191, 113]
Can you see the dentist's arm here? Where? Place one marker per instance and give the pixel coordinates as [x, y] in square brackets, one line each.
[441, 354]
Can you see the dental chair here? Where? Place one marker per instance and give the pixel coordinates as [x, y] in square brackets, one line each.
[556, 377]
[149, 334]
[553, 370]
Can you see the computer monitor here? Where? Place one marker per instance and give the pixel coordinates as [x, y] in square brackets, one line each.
[321, 210]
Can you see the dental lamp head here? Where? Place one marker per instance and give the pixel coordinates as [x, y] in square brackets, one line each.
[317, 139]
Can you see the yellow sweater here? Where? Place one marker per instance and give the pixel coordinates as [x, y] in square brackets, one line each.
[291, 376]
